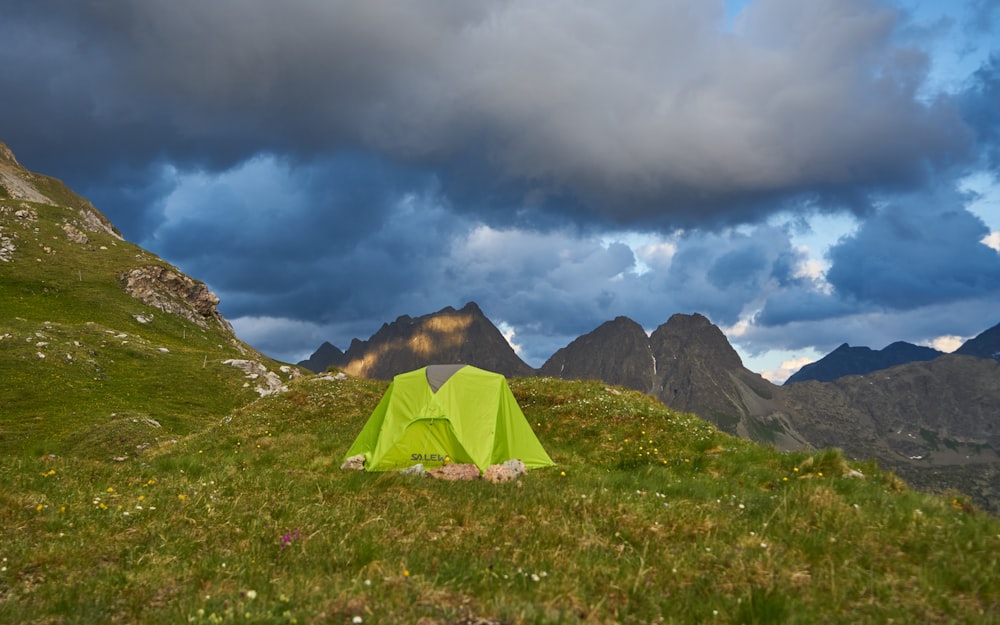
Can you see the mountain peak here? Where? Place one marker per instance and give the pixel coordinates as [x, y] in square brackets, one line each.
[985, 345]
[328, 355]
[444, 337]
[616, 352]
[695, 333]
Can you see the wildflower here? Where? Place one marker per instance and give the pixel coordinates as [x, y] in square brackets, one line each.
[181, 496]
[251, 594]
[535, 577]
[39, 507]
[111, 489]
[406, 572]
[357, 619]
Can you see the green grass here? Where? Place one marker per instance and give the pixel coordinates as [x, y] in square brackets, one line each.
[73, 355]
[650, 516]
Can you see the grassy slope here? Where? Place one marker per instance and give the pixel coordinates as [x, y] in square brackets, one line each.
[74, 360]
[651, 516]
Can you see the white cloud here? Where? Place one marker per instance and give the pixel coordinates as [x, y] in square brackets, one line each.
[947, 343]
[508, 333]
[785, 370]
[287, 340]
[992, 240]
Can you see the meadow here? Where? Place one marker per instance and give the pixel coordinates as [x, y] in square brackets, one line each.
[650, 516]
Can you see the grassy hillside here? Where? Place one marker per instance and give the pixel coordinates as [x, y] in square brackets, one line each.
[650, 517]
[77, 353]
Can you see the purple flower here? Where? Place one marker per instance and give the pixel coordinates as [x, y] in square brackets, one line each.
[288, 538]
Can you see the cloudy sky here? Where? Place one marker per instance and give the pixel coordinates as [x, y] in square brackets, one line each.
[802, 173]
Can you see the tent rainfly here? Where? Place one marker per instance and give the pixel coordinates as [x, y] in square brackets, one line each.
[447, 414]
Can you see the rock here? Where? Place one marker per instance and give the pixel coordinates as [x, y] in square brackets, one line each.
[506, 472]
[456, 472]
[268, 382]
[355, 463]
[7, 247]
[75, 235]
[417, 469]
[174, 293]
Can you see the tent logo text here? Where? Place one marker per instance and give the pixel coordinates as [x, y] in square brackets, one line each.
[427, 457]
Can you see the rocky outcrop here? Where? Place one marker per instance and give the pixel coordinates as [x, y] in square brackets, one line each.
[175, 293]
[16, 181]
[7, 247]
[264, 381]
[92, 220]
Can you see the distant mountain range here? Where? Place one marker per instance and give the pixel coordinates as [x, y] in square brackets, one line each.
[847, 360]
[929, 416]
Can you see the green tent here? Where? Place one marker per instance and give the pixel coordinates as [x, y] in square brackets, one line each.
[447, 413]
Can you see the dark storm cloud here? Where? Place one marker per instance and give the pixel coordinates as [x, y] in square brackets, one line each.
[916, 253]
[313, 240]
[981, 107]
[651, 114]
[327, 166]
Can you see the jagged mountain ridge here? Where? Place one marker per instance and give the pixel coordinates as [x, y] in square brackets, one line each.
[448, 336]
[847, 360]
